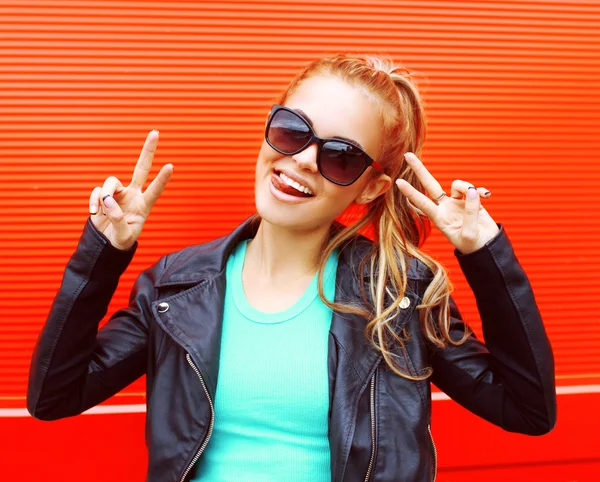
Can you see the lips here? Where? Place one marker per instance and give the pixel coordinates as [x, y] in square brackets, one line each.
[286, 188]
[290, 183]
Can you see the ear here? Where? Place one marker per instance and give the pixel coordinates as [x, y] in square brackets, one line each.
[374, 188]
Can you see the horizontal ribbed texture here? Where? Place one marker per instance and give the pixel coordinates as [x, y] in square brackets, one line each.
[512, 91]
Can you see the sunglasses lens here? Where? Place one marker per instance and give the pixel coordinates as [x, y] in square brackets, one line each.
[287, 132]
[341, 162]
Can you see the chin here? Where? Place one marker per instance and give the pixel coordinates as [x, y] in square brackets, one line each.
[291, 216]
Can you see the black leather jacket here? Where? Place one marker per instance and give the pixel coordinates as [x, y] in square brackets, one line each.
[379, 423]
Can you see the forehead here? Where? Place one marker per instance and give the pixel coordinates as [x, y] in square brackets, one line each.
[338, 109]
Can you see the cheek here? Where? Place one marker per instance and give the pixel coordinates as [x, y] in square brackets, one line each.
[340, 196]
[267, 154]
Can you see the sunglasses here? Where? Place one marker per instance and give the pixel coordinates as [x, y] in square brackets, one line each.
[339, 161]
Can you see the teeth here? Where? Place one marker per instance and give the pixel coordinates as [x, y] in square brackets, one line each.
[294, 184]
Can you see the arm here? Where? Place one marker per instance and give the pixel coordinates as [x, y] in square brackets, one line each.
[509, 380]
[74, 366]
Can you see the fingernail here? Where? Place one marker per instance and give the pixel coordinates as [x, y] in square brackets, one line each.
[108, 201]
[155, 130]
[94, 209]
[472, 192]
[487, 193]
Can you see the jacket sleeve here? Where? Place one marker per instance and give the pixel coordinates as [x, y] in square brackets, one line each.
[75, 366]
[509, 380]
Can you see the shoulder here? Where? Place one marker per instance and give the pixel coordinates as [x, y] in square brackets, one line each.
[192, 263]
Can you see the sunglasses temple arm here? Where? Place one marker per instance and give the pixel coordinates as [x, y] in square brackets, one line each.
[377, 166]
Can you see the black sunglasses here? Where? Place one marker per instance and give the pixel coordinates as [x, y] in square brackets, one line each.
[339, 161]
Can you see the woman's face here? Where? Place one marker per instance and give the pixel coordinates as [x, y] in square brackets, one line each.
[336, 109]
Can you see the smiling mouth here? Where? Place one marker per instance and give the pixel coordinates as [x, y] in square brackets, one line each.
[286, 185]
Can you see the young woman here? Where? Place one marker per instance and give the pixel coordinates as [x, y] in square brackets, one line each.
[295, 348]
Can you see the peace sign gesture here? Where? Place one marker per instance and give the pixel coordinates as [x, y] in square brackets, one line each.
[126, 208]
[465, 222]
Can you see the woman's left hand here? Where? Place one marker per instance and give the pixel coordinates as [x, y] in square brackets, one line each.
[465, 222]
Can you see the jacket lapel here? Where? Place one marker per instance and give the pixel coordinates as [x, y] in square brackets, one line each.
[194, 321]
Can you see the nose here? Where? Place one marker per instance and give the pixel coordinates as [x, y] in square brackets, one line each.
[307, 159]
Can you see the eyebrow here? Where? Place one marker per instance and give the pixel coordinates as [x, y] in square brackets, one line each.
[351, 141]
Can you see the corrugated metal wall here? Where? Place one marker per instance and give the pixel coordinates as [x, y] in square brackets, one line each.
[513, 95]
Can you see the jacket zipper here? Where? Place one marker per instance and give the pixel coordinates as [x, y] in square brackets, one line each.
[372, 404]
[434, 453]
[212, 419]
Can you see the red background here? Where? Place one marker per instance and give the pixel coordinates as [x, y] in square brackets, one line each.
[513, 95]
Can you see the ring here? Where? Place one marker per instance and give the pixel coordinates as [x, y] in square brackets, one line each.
[437, 200]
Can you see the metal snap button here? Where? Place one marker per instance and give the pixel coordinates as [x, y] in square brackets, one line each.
[162, 307]
[405, 303]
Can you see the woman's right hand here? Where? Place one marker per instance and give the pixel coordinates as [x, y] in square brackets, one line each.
[126, 209]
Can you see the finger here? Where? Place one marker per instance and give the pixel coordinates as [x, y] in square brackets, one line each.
[418, 199]
[430, 183]
[470, 229]
[115, 215]
[94, 203]
[459, 189]
[144, 163]
[484, 192]
[157, 186]
[111, 186]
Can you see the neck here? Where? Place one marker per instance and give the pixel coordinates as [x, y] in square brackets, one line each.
[280, 253]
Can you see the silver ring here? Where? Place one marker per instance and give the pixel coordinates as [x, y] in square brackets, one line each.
[437, 200]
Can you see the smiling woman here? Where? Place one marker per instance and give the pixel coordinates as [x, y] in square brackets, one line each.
[294, 348]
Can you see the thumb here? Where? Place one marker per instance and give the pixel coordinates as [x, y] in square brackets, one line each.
[115, 215]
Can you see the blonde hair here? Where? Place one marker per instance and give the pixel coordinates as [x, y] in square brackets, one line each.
[399, 228]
